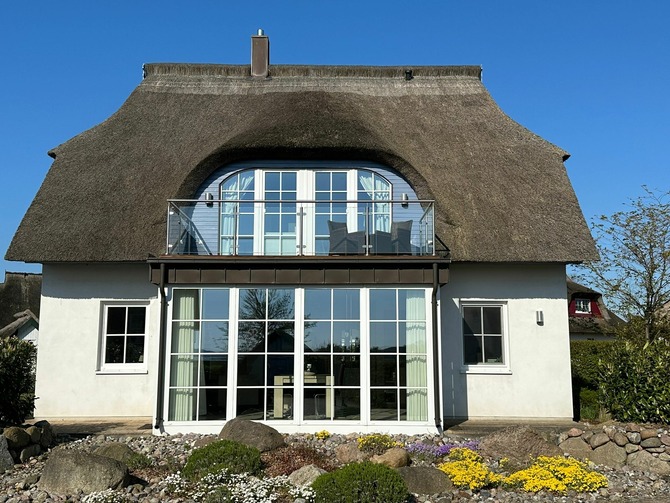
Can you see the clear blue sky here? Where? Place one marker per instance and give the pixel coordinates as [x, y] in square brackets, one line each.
[590, 76]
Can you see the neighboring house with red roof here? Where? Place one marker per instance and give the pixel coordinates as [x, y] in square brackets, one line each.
[589, 317]
[349, 248]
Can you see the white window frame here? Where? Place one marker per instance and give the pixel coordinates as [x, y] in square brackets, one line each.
[298, 421]
[486, 368]
[579, 300]
[122, 368]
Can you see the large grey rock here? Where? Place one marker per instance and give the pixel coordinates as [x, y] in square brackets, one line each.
[29, 452]
[648, 433]
[651, 442]
[647, 462]
[599, 439]
[306, 475]
[48, 436]
[68, 472]
[395, 457]
[6, 460]
[634, 437]
[609, 454]
[519, 444]
[620, 439]
[349, 453]
[425, 479]
[642, 460]
[17, 438]
[115, 450]
[262, 437]
[577, 448]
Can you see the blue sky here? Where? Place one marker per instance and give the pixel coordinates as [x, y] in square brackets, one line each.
[590, 76]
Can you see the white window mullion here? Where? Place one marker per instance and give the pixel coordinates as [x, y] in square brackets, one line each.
[365, 354]
[299, 360]
[233, 316]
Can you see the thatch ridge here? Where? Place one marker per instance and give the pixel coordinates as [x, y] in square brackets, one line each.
[502, 193]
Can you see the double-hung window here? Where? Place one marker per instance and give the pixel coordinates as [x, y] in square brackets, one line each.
[484, 334]
[124, 337]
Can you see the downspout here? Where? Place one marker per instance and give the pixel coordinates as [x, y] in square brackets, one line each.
[160, 393]
[436, 355]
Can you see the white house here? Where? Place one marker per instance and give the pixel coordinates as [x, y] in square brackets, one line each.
[348, 248]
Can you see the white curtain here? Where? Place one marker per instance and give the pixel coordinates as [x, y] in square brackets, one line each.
[377, 189]
[230, 191]
[184, 363]
[416, 366]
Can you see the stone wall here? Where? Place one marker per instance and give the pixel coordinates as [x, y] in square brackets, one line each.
[20, 443]
[616, 445]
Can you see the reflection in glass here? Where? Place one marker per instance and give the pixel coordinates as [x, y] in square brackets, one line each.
[214, 370]
[383, 405]
[383, 370]
[383, 337]
[317, 303]
[250, 403]
[251, 337]
[212, 404]
[251, 370]
[214, 337]
[347, 404]
[215, 304]
[346, 304]
[382, 304]
[317, 336]
[347, 370]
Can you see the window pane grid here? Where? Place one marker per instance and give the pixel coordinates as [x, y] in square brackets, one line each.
[124, 335]
[482, 334]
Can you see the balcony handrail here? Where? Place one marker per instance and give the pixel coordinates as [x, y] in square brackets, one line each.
[191, 226]
[212, 201]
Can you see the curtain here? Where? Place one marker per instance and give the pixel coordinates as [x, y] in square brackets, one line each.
[231, 190]
[416, 366]
[184, 364]
[377, 189]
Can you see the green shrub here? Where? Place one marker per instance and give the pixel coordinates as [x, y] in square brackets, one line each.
[222, 455]
[589, 407]
[137, 461]
[17, 380]
[584, 358]
[361, 483]
[634, 384]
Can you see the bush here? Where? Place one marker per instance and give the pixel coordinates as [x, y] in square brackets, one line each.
[17, 380]
[377, 443]
[222, 455]
[557, 474]
[364, 482]
[634, 384]
[585, 357]
[589, 407]
[466, 469]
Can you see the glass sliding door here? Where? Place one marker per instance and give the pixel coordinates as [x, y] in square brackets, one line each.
[398, 355]
[280, 213]
[265, 353]
[199, 355]
[332, 354]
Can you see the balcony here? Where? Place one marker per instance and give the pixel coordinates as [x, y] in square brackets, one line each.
[300, 228]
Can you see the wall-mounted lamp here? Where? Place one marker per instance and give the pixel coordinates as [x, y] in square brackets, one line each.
[405, 201]
[209, 197]
[539, 317]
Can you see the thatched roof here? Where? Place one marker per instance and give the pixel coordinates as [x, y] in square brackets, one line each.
[502, 192]
[18, 292]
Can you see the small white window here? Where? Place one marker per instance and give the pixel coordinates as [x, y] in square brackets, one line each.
[124, 334]
[582, 305]
[485, 341]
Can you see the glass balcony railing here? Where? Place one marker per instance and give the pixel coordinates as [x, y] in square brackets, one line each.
[300, 228]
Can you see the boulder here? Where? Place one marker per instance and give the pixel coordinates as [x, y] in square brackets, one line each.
[651, 442]
[425, 479]
[642, 460]
[633, 437]
[396, 457]
[577, 448]
[306, 475]
[349, 453]
[645, 434]
[518, 444]
[262, 437]
[68, 472]
[115, 450]
[29, 452]
[6, 459]
[35, 434]
[47, 438]
[609, 454]
[17, 438]
[599, 439]
[620, 439]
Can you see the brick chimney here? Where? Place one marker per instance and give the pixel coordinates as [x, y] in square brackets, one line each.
[260, 55]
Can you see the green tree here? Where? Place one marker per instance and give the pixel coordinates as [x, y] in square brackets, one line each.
[633, 272]
[17, 380]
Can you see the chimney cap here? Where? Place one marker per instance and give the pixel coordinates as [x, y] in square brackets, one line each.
[260, 32]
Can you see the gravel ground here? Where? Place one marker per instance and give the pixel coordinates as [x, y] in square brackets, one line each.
[168, 453]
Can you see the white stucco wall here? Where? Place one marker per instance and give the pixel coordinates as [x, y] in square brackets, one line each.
[68, 381]
[537, 384]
